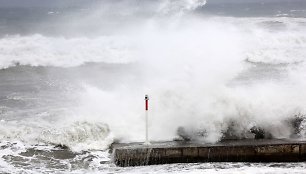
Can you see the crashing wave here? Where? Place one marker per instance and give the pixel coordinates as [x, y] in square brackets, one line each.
[80, 136]
[235, 130]
[77, 136]
[39, 50]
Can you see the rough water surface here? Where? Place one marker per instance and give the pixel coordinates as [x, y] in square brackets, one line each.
[73, 75]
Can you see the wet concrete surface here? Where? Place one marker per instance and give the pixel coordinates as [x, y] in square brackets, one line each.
[264, 150]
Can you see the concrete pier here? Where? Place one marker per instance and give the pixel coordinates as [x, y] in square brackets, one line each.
[137, 154]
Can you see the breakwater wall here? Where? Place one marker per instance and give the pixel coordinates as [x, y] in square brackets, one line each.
[137, 154]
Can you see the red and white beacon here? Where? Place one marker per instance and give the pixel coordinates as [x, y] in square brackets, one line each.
[147, 102]
[147, 119]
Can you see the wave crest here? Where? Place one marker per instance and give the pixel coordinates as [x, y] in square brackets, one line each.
[39, 50]
[80, 136]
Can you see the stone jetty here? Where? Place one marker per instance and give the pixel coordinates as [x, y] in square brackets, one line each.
[262, 150]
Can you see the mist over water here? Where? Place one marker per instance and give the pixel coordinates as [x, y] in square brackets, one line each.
[78, 77]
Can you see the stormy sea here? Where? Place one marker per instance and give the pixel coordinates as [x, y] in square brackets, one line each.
[73, 75]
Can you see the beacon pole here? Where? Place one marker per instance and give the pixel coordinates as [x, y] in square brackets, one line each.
[147, 119]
